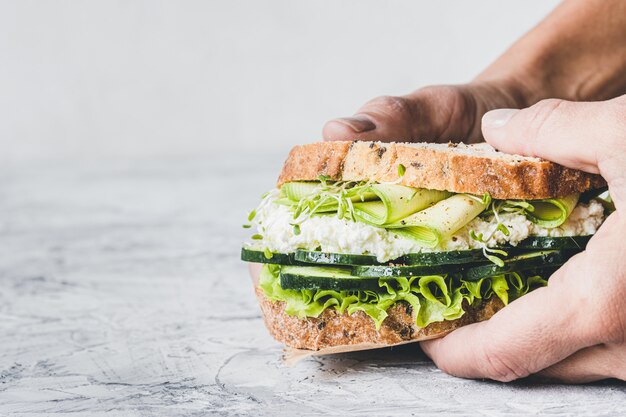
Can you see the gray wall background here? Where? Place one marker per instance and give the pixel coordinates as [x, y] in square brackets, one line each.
[155, 78]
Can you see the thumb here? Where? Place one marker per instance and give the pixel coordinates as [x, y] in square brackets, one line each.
[436, 113]
[590, 136]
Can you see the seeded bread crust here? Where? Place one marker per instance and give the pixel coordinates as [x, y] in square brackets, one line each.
[333, 329]
[459, 168]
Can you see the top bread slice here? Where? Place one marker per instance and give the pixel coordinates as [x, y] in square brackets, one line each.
[459, 168]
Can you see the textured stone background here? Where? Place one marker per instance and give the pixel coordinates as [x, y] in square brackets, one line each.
[121, 293]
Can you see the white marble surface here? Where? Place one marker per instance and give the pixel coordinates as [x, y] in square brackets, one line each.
[121, 293]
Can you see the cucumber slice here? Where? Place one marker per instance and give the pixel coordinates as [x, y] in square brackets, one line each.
[547, 242]
[329, 258]
[534, 260]
[403, 271]
[442, 258]
[545, 273]
[258, 256]
[424, 258]
[324, 278]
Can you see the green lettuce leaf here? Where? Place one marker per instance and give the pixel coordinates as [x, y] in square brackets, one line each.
[433, 298]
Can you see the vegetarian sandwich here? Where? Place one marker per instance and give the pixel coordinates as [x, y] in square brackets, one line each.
[374, 244]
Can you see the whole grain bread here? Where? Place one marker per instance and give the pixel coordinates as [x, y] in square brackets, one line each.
[332, 329]
[460, 168]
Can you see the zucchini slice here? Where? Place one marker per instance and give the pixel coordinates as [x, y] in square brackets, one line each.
[380, 271]
[547, 242]
[329, 258]
[533, 260]
[324, 278]
[258, 256]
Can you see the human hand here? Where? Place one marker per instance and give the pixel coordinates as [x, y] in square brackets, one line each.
[573, 330]
[576, 53]
[445, 112]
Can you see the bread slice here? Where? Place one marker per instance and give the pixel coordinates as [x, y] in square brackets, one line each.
[460, 168]
[332, 329]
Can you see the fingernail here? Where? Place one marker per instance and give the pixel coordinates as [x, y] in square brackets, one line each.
[359, 123]
[498, 118]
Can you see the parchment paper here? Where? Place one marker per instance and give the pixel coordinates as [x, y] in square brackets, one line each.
[291, 356]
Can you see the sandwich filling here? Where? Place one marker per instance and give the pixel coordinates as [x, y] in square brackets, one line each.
[329, 233]
[362, 246]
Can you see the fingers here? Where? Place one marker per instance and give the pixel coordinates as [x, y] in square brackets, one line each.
[590, 364]
[440, 113]
[384, 117]
[588, 136]
[582, 306]
[532, 333]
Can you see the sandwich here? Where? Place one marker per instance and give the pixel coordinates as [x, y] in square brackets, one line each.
[369, 244]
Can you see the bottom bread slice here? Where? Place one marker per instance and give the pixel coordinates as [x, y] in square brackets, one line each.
[333, 329]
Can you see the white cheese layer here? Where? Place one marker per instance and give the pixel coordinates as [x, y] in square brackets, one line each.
[330, 234]
[585, 219]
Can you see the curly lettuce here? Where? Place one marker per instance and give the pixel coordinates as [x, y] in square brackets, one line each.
[433, 298]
